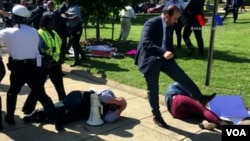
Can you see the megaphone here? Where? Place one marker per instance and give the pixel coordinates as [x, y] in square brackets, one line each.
[96, 109]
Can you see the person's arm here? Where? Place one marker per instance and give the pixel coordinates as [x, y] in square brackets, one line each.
[120, 102]
[4, 13]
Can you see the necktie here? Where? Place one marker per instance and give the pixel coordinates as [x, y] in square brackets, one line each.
[167, 40]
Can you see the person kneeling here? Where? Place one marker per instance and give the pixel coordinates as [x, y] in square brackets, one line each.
[77, 104]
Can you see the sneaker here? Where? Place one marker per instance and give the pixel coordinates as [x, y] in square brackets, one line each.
[207, 125]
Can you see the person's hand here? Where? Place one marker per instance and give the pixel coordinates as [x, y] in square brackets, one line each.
[122, 105]
[168, 55]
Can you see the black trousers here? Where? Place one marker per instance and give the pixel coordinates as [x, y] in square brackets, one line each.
[2, 70]
[234, 11]
[178, 28]
[74, 39]
[188, 29]
[55, 74]
[27, 72]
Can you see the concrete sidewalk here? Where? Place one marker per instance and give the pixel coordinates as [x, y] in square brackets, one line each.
[135, 124]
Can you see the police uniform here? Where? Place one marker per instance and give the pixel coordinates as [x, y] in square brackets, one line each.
[22, 44]
[75, 32]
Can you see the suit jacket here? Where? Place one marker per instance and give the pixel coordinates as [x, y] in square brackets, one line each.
[150, 46]
[36, 16]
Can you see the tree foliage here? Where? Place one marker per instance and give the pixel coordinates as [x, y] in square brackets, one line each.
[99, 12]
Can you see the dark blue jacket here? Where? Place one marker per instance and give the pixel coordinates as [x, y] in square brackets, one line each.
[149, 48]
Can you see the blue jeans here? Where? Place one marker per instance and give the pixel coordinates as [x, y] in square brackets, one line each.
[172, 69]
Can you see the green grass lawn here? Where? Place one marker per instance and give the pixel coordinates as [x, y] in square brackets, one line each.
[230, 65]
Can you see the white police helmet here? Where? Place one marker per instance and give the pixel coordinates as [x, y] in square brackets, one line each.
[21, 11]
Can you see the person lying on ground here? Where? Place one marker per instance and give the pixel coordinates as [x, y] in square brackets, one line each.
[77, 105]
[181, 105]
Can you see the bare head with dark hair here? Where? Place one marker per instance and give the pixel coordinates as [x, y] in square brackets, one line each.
[171, 14]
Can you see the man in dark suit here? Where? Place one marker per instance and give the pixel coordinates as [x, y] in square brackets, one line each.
[37, 14]
[232, 6]
[155, 55]
[193, 19]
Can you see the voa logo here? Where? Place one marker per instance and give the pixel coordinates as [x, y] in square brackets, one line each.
[236, 132]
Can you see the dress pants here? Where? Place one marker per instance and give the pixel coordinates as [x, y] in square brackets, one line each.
[170, 68]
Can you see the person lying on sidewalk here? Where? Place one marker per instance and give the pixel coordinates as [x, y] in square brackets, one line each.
[77, 105]
[181, 105]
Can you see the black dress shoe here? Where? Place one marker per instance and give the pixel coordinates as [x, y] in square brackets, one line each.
[160, 122]
[59, 127]
[1, 125]
[28, 119]
[10, 120]
[206, 98]
[191, 51]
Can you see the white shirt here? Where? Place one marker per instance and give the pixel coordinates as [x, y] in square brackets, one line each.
[22, 43]
[129, 12]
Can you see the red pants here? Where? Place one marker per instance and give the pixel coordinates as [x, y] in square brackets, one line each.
[186, 107]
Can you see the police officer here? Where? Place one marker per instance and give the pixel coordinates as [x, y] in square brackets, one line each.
[74, 25]
[24, 64]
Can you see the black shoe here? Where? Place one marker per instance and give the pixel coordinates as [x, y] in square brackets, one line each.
[28, 119]
[10, 120]
[160, 122]
[191, 51]
[1, 125]
[59, 127]
[206, 98]
[75, 64]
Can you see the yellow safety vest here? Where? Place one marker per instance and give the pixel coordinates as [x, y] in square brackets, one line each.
[53, 44]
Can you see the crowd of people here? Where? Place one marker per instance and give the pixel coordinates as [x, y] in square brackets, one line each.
[46, 47]
[39, 54]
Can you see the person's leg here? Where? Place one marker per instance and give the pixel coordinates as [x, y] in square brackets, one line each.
[152, 80]
[178, 29]
[36, 83]
[121, 28]
[186, 37]
[57, 79]
[199, 39]
[225, 16]
[76, 36]
[2, 70]
[1, 124]
[173, 70]
[235, 14]
[17, 78]
[186, 107]
[126, 29]
[31, 101]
